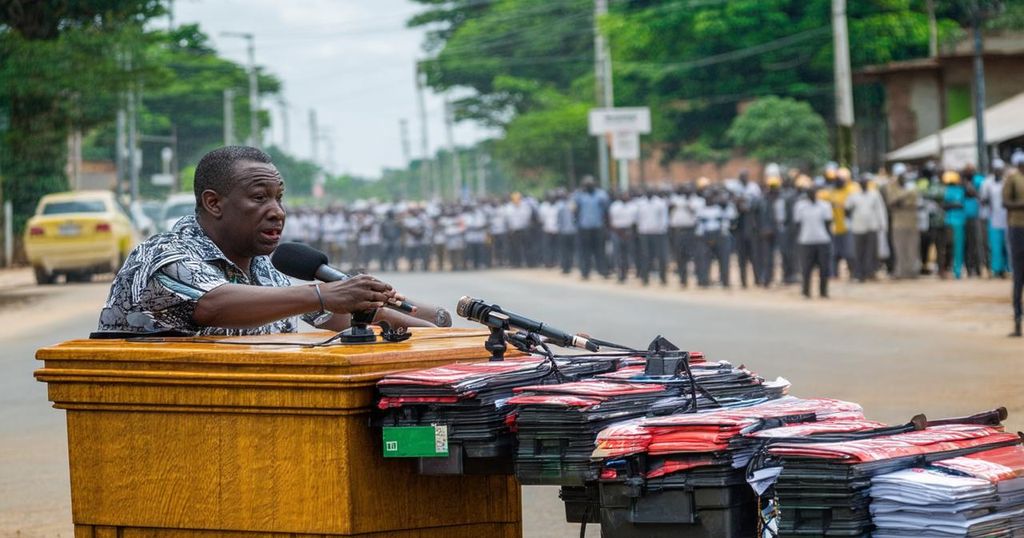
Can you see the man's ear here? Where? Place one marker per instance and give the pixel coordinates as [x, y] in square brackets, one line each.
[212, 203]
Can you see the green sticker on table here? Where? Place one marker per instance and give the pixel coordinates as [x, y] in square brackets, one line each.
[415, 441]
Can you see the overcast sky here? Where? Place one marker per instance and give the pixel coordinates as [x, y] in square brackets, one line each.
[351, 60]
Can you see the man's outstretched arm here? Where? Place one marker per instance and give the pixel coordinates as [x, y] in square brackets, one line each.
[239, 306]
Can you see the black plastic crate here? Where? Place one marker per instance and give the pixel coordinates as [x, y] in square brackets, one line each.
[460, 462]
[581, 503]
[677, 512]
[554, 472]
[829, 519]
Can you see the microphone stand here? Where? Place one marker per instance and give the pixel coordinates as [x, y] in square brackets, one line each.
[496, 344]
[359, 331]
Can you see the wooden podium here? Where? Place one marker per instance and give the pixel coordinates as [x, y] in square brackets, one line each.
[257, 437]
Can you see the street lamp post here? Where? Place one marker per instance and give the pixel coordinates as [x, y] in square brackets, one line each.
[254, 90]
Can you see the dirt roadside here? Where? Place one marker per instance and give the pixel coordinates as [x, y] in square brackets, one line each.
[979, 307]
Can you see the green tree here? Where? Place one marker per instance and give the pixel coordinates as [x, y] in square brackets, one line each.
[190, 98]
[527, 63]
[549, 141]
[485, 43]
[691, 61]
[298, 174]
[782, 130]
[728, 52]
[62, 65]
[185, 98]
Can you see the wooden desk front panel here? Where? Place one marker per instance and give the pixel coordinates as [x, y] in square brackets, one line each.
[197, 439]
[262, 472]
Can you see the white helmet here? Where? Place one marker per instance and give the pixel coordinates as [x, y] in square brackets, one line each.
[1017, 158]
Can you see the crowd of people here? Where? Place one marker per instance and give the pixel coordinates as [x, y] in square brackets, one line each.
[904, 222]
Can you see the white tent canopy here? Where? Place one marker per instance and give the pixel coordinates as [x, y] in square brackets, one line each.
[1004, 121]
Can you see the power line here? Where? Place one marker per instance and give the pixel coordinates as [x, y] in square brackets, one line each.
[706, 61]
[584, 14]
[551, 5]
[738, 54]
[516, 36]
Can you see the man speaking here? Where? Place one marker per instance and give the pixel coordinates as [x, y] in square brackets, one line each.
[211, 275]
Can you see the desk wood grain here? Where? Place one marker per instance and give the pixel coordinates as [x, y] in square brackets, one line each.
[190, 437]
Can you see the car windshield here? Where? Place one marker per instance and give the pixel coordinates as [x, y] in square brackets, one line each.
[74, 206]
[152, 210]
[177, 211]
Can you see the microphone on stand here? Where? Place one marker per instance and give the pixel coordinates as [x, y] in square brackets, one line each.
[304, 262]
[493, 316]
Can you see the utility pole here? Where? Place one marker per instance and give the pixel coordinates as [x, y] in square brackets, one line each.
[933, 30]
[604, 91]
[449, 120]
[314, 136]
[8, 233]
[328, 140]
[229, 116]
[844, 85]
[285, 132]
[75, 158]
[254, 90]
[120, 151]
[174, 161]
[425, 165]
[314, 139]
[933, 52]
[481, 173]
[977, 17]
[403, 131]
[134, 159]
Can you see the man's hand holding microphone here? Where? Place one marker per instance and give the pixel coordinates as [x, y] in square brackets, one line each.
[344, 294]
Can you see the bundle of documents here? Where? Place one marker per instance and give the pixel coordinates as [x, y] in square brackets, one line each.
[719, 384]
[684, 475]
[469, 399]
[683, 441]
[823, 488]
[979, 494]
[557, 425]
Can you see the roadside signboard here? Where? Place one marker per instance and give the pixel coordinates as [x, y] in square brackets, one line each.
[612, 120]
[162, 180]
[625, 145]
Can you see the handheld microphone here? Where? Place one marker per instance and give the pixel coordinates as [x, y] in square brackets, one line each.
[304, 262]
[493, 316]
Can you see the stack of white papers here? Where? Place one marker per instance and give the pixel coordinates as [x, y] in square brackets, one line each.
[939, 502]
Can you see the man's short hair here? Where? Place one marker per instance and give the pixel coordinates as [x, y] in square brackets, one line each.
[215, 170]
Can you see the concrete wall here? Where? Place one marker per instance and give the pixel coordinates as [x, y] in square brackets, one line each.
[912, 97]
[900, 111]
[97, 175]
[675, 172]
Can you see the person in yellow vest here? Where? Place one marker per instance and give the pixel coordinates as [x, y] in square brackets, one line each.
[839, 189]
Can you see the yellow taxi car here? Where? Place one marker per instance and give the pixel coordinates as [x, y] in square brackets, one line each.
[77, 234]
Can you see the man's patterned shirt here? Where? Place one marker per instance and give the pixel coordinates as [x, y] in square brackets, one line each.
[164, 277]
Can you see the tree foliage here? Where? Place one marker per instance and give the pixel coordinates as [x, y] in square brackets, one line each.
[692, 61]
[62, 66]
[65, 66]
[783, 130]
[48, 19]
[528, 66]
[741, 49]
[187, 98]
[550, 139]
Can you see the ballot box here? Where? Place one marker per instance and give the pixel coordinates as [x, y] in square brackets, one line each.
[257, 436]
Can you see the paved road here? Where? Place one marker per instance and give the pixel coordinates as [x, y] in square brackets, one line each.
[894, 365]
